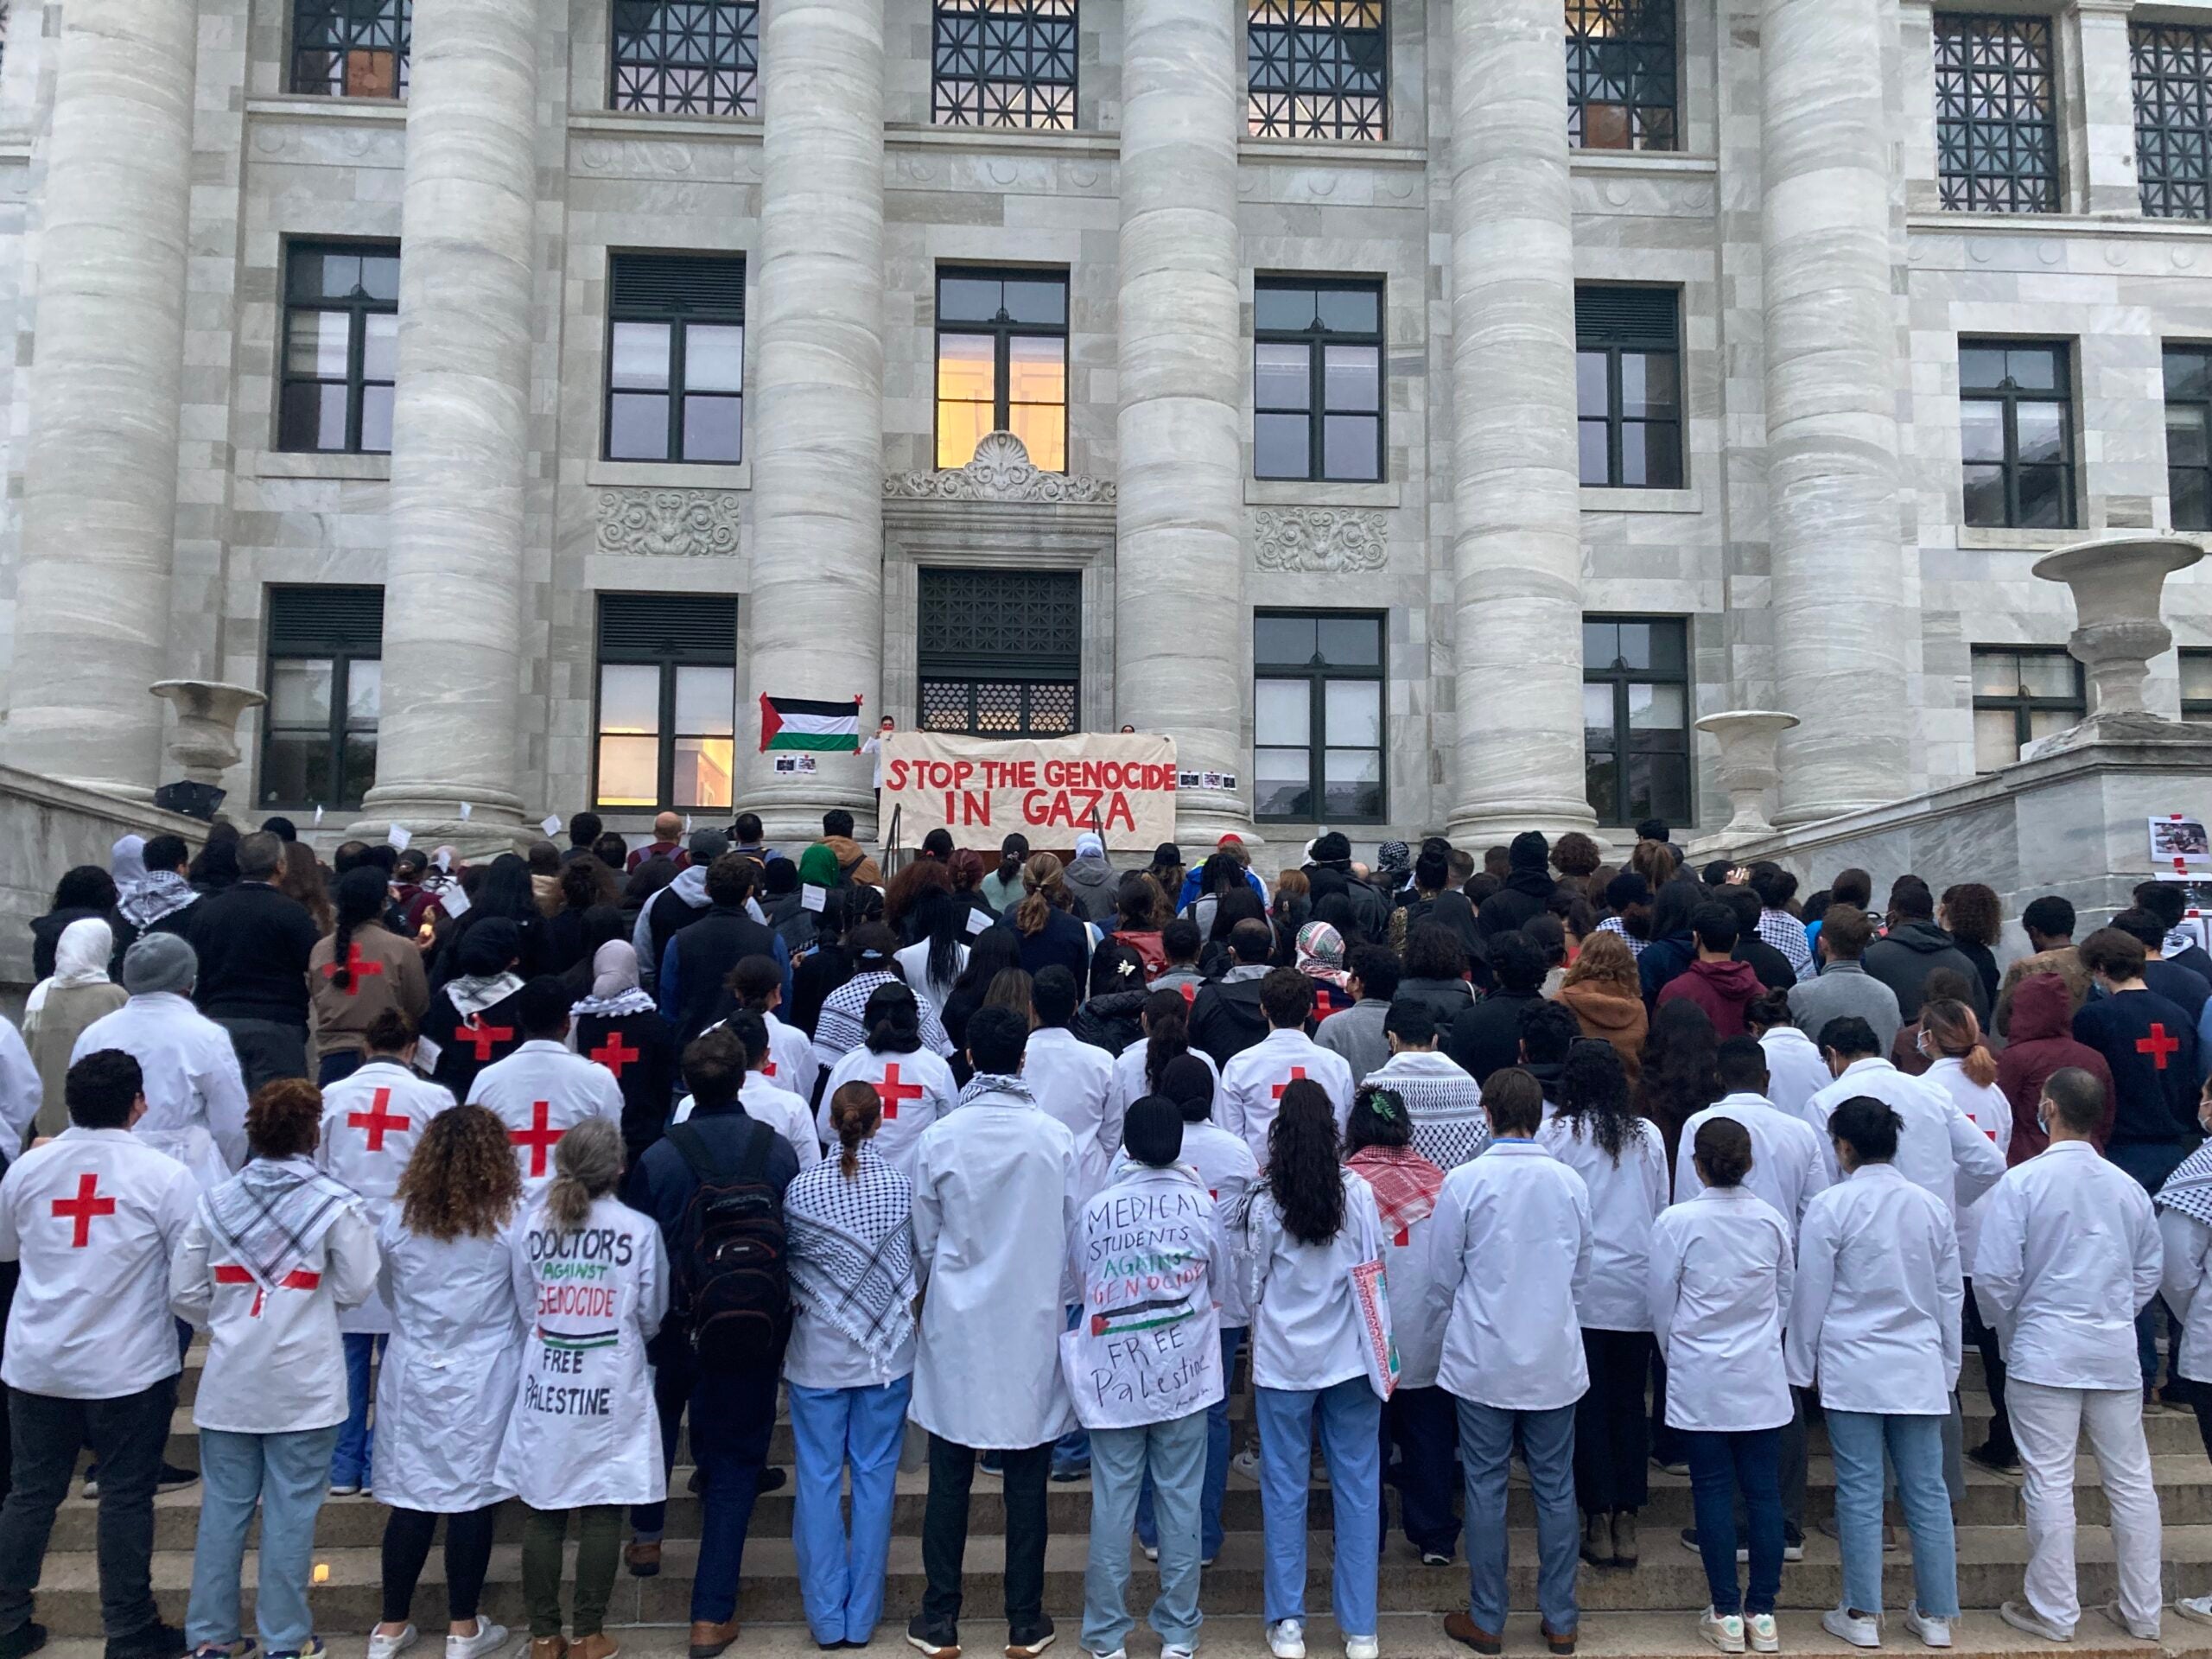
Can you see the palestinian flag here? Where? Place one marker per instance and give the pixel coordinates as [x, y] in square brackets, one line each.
[795, 723]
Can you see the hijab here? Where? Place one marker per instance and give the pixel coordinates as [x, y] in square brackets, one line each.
[614, 983]
[1321, 954]
[818, 867]
[127, 860]
[81, 957]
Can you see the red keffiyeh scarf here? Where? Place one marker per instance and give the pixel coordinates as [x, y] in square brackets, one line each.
[1405, 1185]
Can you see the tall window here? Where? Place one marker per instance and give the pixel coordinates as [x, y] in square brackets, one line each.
[342, 346]
[2021, 694]
[1002, 363]
[2016, 432]
[1004, 63]
[1317, 716]
[1628, 380]
[326, 684]
[2196, 683]
[687, 57]
[667, 700]
[676, 358]
[2188, 434]
[351, 48]
[1317, 69]
[1317, 379]
[999, 652]
[2173, 119]
[1996, 114]
[1620, 74]
[1635, 718]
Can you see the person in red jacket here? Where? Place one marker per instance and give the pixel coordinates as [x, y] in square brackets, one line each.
[2041, 1041]
[1716, 982]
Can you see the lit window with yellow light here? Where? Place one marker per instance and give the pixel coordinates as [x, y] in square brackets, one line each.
[1002, 364]
[667, 725]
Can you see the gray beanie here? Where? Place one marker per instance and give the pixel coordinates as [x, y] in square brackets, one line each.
[159, 961]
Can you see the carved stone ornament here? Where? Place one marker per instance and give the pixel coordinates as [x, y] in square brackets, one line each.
[1002, 471]
[668, 523]
[1323, 540]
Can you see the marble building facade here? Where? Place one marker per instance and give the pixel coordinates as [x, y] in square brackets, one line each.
[160, 167]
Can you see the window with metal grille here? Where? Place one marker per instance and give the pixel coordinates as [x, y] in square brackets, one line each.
[2021, 694]
[1620, 74]
[2196, 683]
[1996, 114]
[351, 48]
[1317, 69]
[324, 663]
[1628, 378]
[342, 346]
[2173, 118]
[687, 57]
[1317, 717]
[667, 723]
[1635, 718]
[1002, 363]
[1317, 379]
[2188, 434]
[999, 652]
[1004, 63]
[675, 358]
[2016, 432]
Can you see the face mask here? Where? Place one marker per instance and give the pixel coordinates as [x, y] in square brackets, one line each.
[2043, 1122]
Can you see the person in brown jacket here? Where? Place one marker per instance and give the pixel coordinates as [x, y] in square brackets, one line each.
[358, 971]
[1606, 998]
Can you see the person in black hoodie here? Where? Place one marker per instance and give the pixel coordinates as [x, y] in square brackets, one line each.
[1769, 964]
[1915, 948]
[1226, 1019]
[2168, 902]
[1329, 868]
[1486, 1038]
[1549, 1031]
[1527, 889]
[87, 891]
[693, 984]
[1113, 1017]
[253, 945]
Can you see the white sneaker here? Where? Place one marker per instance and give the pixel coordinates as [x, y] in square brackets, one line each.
[2196, 1607]
[1171, 1652]
[1363, 1647]
[387, 1647]
[489, 1638]
[1118, 1653]
[1859, 1632]
[1765, 1638]
[2021, 1617]
[1151, 1552]
[345, 1489]
[1246, 1464]
[1724, 1630]
[1286, 1639]
[1932, 1632]
[2114, 1616]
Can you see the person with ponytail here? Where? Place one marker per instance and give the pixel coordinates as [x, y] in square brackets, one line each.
[848, 1227]
[1051, 933]
[1141, 1068]
[912, 1083]
[591, 1281]
[931, 964]
[357, 972]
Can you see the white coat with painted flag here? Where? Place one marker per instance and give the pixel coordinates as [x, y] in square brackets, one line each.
[195, 1094]
[21, 1090]
[916, 1090]
[780, 1109]
[540, 1092]
[1073, 1081]
[1790, 1162]
[93, 1217]
[448, 1378]
[583, 1429]
[1252, 1084]
[371, 1122]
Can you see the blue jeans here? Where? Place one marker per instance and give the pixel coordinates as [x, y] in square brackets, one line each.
[1719, 1464]
[1486, 1437]
[1352, 1431]
[1217, 1478]
[841, 1571]
[732, 1414]
[1916, 1449]
[286, 1475]
[350, 1462]
[1174, 1455]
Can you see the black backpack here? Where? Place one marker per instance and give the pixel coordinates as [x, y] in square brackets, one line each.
[731, 1279]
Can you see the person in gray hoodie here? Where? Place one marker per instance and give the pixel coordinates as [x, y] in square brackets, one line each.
[676, 905]
[1091, 881]
[1844, 988]
[1915, 948]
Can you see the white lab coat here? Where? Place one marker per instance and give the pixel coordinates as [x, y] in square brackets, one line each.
[1252, 1084]
[995, 1195]
[1722, 1276]
[2188, 1249]
[1795, 1072]
[1146, 1347]
[447, 1383]
[1511, 1242]
[1306, 1326]
[2069, 1256]
[1130, 1085]
[1986, 1109]
[899, 1136]
[1073, 1081]
[372, 1120]
[91, 1321]
[540, 1092]
[1625, 1199]
[790, 1063]
[1939, 1148]
[21, 1091]
[1226, 1166]
[1789, 1162]
[583, 1429]
[1409, 1263]
[914, 963]
[780, 1109]
[195, 1094]
[1876, 1314]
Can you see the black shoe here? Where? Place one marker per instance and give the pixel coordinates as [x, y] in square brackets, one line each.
[2005, 1460]
[157, 1641]
[172, 1477]
[30, 1638]
[940, 1643]
[772, 1480]
[1030, 1644]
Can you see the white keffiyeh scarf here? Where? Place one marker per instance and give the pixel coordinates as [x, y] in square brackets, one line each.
[850, 1250]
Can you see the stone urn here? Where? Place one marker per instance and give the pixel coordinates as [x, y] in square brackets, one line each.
[1749, 770]
[206, 740]
[2117, 588]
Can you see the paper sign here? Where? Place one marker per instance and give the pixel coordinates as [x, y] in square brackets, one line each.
[443, 860]
[454, 901]
[425, 1054]
[813, 897]
[1217, 780]
[1050, 789]
[318, 814]
[399, 837]
[550, 826]
[789, 764]
[466, 811]
[687, 826]
[2180, 843]
[979, 921]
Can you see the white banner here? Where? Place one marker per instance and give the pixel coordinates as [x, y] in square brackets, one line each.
[1119, 785]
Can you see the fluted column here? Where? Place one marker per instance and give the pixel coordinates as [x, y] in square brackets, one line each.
[99, 487]
[816, 425]
[1516, 507]
[1180, 621]
[1831, 384]
[460, 426]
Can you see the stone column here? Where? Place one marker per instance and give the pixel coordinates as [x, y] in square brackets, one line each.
[99, 485]
[1515, 497]
[1181, 643]
[1831, 387]
[460, 426]
[816, 421]
[2104, 105]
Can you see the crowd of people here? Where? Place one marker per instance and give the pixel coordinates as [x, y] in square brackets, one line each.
[481, 1179]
